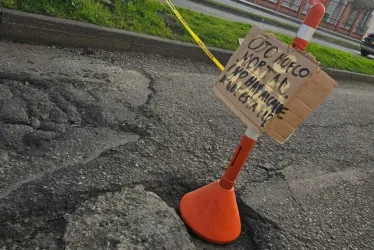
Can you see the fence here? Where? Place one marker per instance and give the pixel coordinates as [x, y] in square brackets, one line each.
[364, 22]
[334, 11]
[349, 20]
[292, 4]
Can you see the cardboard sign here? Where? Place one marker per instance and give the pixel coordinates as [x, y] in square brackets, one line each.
[271, 86]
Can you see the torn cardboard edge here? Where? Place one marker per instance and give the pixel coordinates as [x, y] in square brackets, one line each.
[306, 100]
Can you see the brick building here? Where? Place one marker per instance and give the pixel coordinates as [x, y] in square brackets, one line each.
[351, 18]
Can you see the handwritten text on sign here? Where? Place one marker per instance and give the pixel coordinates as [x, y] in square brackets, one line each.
[261, 77]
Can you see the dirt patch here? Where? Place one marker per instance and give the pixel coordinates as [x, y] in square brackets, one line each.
[173, 24]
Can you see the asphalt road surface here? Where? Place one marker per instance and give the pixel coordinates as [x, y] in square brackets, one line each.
[228, 16]
[80, 124]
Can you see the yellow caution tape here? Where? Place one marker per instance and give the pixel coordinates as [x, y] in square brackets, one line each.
[194, 36]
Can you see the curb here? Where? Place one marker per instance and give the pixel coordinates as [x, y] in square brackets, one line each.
[347, 75]
[45, 30]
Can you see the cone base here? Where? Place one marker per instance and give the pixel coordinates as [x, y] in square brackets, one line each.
[212, 213]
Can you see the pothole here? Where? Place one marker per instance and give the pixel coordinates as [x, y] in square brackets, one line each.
[172, 190]
[173, 24]
[131, 218]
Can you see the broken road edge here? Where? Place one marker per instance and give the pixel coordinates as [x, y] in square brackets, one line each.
[45, 30]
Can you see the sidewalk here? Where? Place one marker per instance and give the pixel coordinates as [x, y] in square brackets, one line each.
[281, 21]
[209, 9]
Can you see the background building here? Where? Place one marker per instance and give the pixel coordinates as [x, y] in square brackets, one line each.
[350, 18]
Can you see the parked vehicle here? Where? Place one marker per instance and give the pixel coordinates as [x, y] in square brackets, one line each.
[367, 44]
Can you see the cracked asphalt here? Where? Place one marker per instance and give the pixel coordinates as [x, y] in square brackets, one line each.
[77, 124]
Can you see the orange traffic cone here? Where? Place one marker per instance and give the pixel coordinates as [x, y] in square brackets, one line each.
[211, 211]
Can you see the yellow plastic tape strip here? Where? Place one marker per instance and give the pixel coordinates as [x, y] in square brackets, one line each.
[194, 36]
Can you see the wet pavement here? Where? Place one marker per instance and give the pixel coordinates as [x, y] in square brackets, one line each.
[80, 126]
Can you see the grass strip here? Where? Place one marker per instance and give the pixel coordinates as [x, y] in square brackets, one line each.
[155, 18]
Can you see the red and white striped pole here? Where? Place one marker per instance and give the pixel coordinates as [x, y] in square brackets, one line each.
[301, 41]
[309, 26]
[211, 211]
